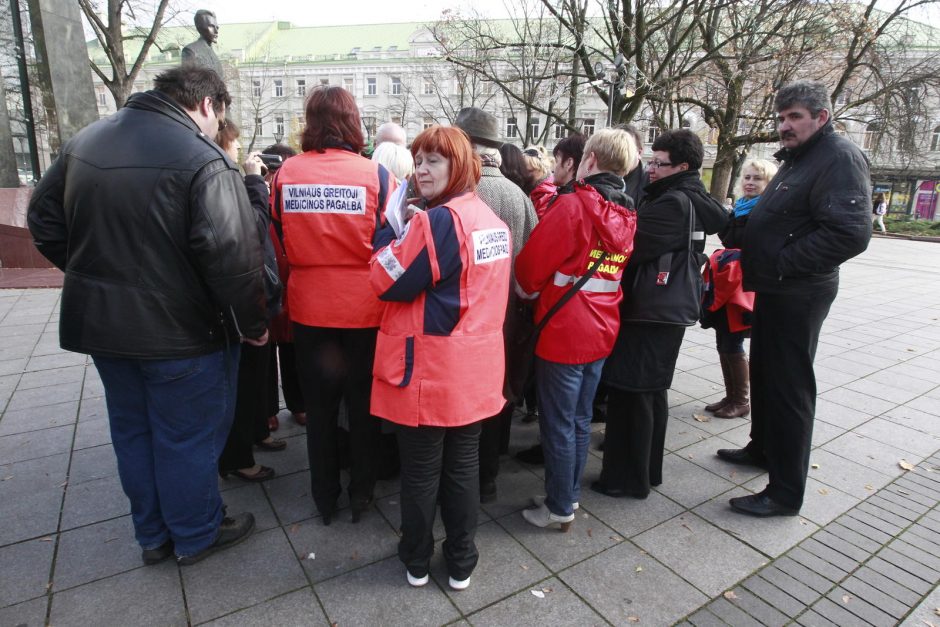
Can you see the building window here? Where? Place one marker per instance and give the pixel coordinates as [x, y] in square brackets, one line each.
[369, 123]
[712, 138]
[534, 127]
[278, 88]
[301, 87]
[348, 83]
[842, 98]
[871, 137]
[512, 129]
[935, 140]
[299, 123]
[325, 81]
[259, 126]
[587, 126]
[839, 128]
[652, 133]
[371, 86]
[559, 130]
[256, 88]
[396, 86]
[279, 125]
[428, 123]
[428, 89]
[102, 99]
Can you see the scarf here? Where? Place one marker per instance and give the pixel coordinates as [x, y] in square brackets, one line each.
[744, 205]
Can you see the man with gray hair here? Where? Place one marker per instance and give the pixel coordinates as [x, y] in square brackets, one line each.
[813, 216]
[514, 208]
[390, 132]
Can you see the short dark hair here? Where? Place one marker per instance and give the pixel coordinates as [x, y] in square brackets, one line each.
[635, 133]
[571, 147]
[201, 16]
[810, 94]
[683, 146]
[228, 133]
[187, 85]
[279, 149]
[332, 121]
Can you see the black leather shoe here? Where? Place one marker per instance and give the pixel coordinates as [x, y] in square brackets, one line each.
[616, 493]
[264, 473]
[272, 446]
[157, 555]
[358, 505]
[761, 505]
[741, 456]
[232, 531]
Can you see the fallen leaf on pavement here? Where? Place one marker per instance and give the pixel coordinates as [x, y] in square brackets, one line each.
[546, 590]
[937, 611]
[903, 492]
[730, 595]
[687, 527]
[869, 487]
[294, 528]
[846, 598]
[639, 569]
[814, 466]
[701, 417]
[803, 522]
[525, 567]
[311, 556]
[633, 619]
[46, 539]
[906, 465]
[538, 593]
[823, 491]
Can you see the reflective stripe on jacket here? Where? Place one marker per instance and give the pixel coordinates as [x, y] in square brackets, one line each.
[439, 357]
[328, 205]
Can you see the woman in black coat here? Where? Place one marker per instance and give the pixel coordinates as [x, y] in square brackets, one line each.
[640, 368]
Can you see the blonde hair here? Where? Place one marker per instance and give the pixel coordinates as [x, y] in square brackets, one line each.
[614, 148]
[765, 168]
[396, 158]
[540, 161]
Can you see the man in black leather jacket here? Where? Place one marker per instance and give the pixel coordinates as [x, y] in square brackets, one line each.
[163, 272]
[814, 215]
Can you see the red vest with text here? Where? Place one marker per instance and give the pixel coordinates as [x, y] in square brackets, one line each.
[327, 204]
[445, 380]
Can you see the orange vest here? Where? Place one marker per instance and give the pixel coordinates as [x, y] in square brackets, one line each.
[328, 208]
[445, 380]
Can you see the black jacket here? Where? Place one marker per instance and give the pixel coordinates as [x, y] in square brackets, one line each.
[611, 187]
[150, 221]
[814, 215]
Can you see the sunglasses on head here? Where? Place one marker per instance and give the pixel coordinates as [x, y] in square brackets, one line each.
[531, 152]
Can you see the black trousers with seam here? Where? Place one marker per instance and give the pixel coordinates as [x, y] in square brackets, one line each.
[250, 424]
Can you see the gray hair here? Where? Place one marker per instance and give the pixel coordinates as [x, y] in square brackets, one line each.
[396, 158]
[810, 94]
[488, 151]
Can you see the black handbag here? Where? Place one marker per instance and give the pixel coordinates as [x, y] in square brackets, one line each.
[668, 290]
[520, 349]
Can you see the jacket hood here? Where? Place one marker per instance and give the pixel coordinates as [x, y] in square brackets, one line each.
[710, 214]
[159, 103]
[614, 222]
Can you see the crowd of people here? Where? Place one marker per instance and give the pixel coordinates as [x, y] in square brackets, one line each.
[410, 300]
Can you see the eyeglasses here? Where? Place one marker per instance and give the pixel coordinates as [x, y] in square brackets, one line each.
[656, 163]
[531, 152]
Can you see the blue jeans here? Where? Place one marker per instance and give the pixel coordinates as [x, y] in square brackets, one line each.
[566, 396]
[169, 420]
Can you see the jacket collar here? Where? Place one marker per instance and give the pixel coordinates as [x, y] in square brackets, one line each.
[787, 154]
[158, 102]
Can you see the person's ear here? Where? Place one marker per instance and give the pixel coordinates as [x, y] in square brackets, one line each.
[205, 107]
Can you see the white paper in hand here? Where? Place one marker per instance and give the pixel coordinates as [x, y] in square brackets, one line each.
[395, 209]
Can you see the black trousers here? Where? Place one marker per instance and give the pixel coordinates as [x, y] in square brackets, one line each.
[439, 462]
[783, 387]
[335, 365]
[494, 434]
[250, 423]
[284, 356]
[635, 437]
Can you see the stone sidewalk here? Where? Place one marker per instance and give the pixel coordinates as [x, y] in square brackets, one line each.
[866, 548]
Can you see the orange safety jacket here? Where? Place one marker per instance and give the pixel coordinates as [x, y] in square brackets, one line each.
[327, 207]
[724, 293]
[439, 357]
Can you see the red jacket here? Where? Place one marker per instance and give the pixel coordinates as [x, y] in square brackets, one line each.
[439, 357]
[328, 206]
[580, 227]
[541, 196]
[723, 289]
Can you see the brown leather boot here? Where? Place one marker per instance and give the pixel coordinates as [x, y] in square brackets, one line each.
[740, 405]
[726, 375]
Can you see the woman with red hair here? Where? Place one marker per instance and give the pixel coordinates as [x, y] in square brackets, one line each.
[439, 360]
[327, 206]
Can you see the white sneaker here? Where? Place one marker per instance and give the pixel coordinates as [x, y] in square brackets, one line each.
[539, 499]
[417, 582]
[458, 584]
[542, 517]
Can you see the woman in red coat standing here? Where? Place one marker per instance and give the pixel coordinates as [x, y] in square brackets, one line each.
[328, 205]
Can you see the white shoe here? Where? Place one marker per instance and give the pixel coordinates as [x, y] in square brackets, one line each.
[417, 582]
[542, 517]
[539, 499]
[458, 584]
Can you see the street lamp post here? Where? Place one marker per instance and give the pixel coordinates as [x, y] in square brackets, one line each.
[613, 83]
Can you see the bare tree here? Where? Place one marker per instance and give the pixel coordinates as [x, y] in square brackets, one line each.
[260, 95]
[123, 21]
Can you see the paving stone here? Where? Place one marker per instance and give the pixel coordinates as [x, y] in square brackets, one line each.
[13, 366]
[804, 575]
[812, 619]
[559, 606]
[250, 497]
[929, 548]
[731, 614]
[899, 436]
[689, 485]
[390, 507]
[875, 523]
[870, 452]
[913, 419]
[31, 496]
[611, 584]
[858, 401]
[54, 377]
[36, 444]
[854, 538]
[893, 573]
[907, 564]
[817, 565]
[704, 618]
[795, 588]
[59, 360]
[260, 568]
[924, 613]
[94, 501]
[883, 594]
[707, 557]
[504, 567]
[342, 546]
[587, 536]
[93, 463]
[915, 483]
[516, 485]
[144, 596]
[840, 415]
[92, 409]
[883, 514]
[682, 435]
[36, 418]
[771, 536]
[91, 433]
[704, 454]
[95, 552]
[845, 475]
[924, 532]
[771, 594]
[290, 497]
[295, 608]
[379, 595]
[867, 531]
[898, 505]
[837, 559]
[28, 614]
[627, 516]
[836, 613]
[821, 503]
[48, 395]
[916, 553]
[861, 608]
[25, 567]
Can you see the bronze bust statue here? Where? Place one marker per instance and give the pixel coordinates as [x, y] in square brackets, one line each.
[200, 52]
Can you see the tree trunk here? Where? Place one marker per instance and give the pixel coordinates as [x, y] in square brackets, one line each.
[722, 170]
